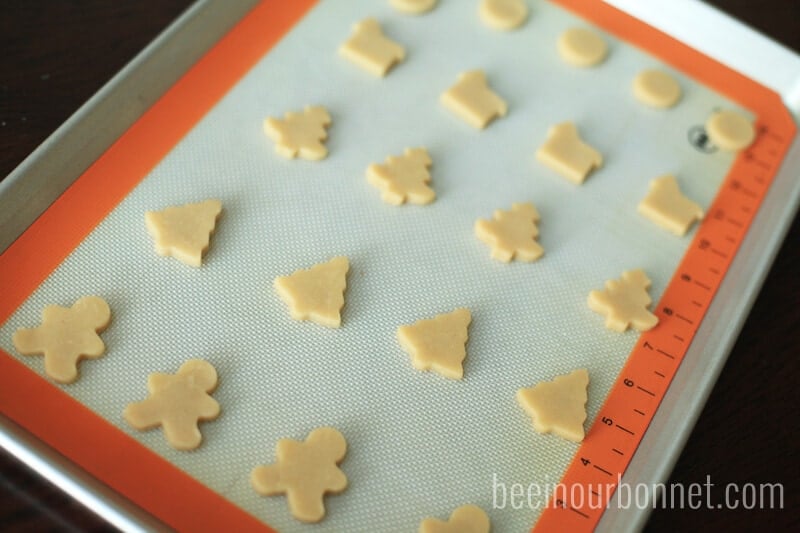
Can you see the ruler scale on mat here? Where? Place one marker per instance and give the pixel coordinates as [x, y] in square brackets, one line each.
[182, 501]
[618, 429]
[592, 477]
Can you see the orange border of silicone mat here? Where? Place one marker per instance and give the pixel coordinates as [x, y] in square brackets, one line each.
[122, 463]
[46, 411]
[776, 129]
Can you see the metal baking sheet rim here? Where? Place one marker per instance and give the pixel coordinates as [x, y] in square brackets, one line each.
[185, 41]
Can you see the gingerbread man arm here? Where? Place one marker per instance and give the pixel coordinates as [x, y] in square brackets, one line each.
[28, 341]
[270, 479]
[266, 480]
[158, 381]
[207, 408]
[143, 415]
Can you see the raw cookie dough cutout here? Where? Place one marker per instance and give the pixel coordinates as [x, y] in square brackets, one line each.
[464, 519]
[370, 49]
[666, 205]
[503, 14]
[512, 234]
[403, 178]
[439, 343]
[305, 472]
[582, 47]
[624, 302]
[178, 403]
[300, 133]
[565, 153]
[472, 100]
[66, 336]
[558, 406]
[730, 130]
[656, 88]
[413, 7]
[316, 294]
[184, 232]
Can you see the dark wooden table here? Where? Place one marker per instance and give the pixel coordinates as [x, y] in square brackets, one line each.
[57, 53]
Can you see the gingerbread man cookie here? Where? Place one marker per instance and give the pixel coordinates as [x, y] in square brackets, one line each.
[66, 336]
[305, 472]
[178, 402]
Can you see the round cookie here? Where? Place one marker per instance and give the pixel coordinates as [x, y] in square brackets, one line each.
[730, 130]
[656, 88]
[413, 7]
[503, 14]
[582, 47]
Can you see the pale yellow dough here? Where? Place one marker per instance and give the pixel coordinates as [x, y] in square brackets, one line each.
[624, 302]
[413, 7]
[403, 178]
[582, 47]
[558, 406]
[464, 519]
[472, 100]
[512, 234]
[730, 130]
[439, 343]
[300, 133]
[565, 153]
[305, 471]
[370, 49]
[66, 336]
[656, 88]
[184, 232]
[316, 294]
[503, 14]
[666, 205]
[178, 402]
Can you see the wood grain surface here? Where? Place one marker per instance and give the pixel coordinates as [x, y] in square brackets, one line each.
[57, 53]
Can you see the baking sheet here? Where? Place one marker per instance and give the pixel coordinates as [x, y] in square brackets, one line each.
[418, 443]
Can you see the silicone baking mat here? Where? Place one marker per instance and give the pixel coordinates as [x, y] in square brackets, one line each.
[419, 445]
